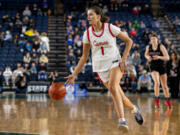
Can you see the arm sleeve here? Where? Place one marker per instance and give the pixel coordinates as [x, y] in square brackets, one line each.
[85, 38]
[115, 30]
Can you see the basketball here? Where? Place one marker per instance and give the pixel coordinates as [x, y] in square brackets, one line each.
[57, 91]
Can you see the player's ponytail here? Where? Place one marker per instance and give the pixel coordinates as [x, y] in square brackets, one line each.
[99, 11]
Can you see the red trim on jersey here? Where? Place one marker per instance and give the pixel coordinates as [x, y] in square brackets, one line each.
[101, 32]
[109, 26]
[99, 77]
[102, 50]
[88, 35]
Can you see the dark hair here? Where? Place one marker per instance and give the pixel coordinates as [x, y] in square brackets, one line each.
[176, 56]
[154, 35]
[99, 11]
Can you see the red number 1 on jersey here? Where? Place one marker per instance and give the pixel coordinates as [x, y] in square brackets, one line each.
[102, 50]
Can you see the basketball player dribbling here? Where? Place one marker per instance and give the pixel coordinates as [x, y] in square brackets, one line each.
[156, 54]
[100, 37]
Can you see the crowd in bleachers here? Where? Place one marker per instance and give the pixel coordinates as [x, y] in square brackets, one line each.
[138, 25]
[24, 45]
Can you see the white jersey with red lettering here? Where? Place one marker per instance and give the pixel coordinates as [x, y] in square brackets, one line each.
[103, 46]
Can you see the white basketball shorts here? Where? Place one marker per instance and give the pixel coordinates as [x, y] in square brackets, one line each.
[104, 76]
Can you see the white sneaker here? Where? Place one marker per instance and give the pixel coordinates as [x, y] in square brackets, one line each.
[123, 126]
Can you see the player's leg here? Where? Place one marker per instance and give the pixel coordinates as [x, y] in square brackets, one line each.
[125, 100]
[129, 104]
[165, 88]
[115, 76]
[155, 77]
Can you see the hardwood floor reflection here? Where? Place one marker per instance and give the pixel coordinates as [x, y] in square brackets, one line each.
[37, 114]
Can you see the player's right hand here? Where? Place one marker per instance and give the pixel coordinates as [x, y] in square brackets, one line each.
[70, 80]
[149, 59]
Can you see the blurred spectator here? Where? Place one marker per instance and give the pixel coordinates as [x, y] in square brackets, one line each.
[27, 11]
[71, 57]
[136, 10]
[21, 84]
[105, 9]
[8, 36]
[155, 24]
[42, 75]
[129, 60]
[169, 46]
[27, 58]
[34, 58]
[117, 23]
[17, 72]
[176, 21]
[18, 25]
[16, 39]
[78, 55]
[135, 46]
[39, 13]
[136, 58]
[19, 65]
[24, 27]
[7, 75]
[45, 7]
[133, 33]
[136, 25]
[142, 25]
[54, 77]
[43, 48]
[70, 40]
[33, 72]
[25, 21]
[129, 25]
[131, 71]
[31, 23]
[45, 40]
[43, 59]
[173, 71]
[51, 77]
[42, 66]
[146, 9]
[36, 46]
[34, 9]
[28, 47]
[70, 30]
[26, 71]
[146, 36]
[144, 81]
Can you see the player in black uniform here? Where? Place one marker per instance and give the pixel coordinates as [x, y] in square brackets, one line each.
[156, 54]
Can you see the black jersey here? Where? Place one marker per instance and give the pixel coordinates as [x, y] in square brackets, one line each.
[156, 52]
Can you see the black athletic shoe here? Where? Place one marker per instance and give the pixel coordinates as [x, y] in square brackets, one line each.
[138, 116]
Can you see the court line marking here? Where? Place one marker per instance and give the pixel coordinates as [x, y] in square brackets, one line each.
[19, 133]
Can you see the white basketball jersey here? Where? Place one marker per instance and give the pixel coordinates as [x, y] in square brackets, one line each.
[104, 48]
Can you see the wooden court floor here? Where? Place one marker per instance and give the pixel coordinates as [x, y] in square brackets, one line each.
[93, 115]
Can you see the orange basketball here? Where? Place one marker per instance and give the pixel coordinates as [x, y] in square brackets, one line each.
[57, 91]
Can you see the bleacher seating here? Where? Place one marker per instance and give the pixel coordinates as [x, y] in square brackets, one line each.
[9, 52]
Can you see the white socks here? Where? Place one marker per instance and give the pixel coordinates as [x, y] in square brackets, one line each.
[135, 110]
[122, 120]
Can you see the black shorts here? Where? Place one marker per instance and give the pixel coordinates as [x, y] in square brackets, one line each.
[160, 69]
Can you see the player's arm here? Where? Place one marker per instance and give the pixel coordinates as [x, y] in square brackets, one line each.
[146, 55]
[83, 59]
[165, 56]
[124, 37]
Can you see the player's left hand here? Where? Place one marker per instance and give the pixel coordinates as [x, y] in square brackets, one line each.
[122, 65]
